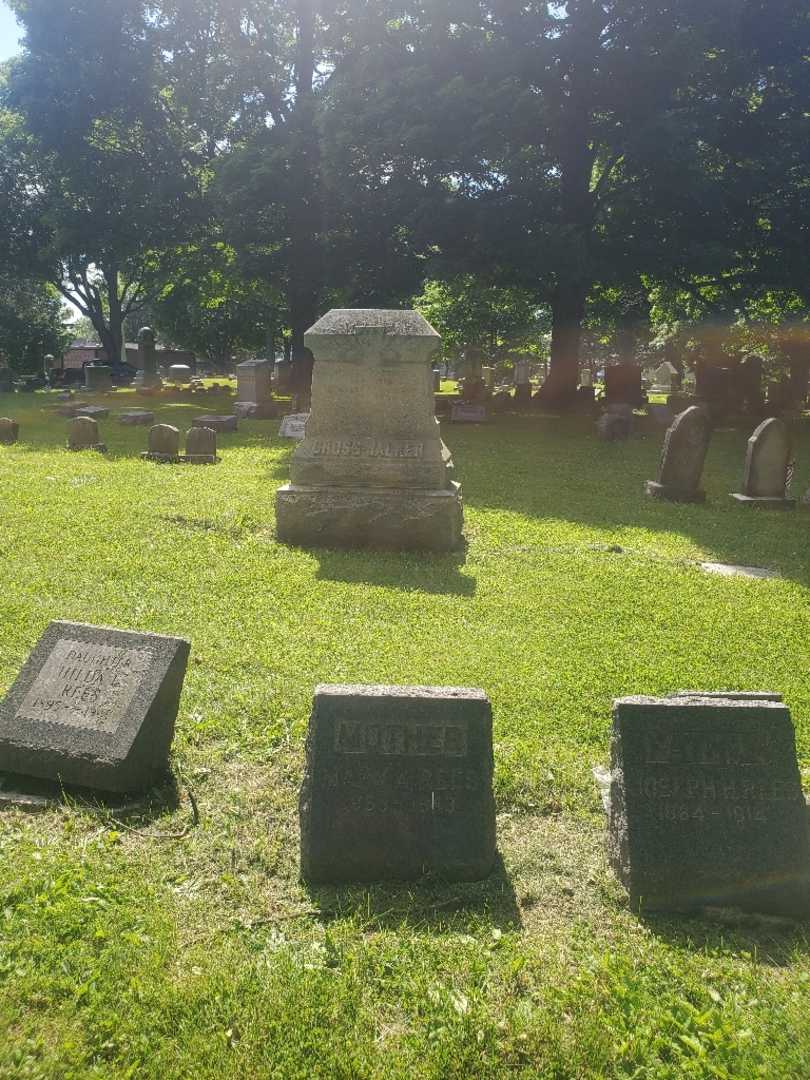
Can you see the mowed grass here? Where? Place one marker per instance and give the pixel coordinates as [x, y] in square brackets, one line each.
[147, 947]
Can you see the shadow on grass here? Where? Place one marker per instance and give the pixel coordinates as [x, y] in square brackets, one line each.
[410, 571]
[430, 905]
[34, 794]
[767, 940]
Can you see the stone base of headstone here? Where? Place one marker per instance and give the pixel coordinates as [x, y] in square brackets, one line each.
[199, 459]
[216, 423]
[672, 494]
[165, 459]
[398, 784]
[100, 448]
[136, 417]
[764, 502]
[370, 517]
[95, 707]
[253, 410]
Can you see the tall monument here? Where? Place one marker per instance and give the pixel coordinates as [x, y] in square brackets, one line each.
[372, 470]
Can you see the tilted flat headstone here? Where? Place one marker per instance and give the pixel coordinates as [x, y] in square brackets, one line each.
[293, 425]
[398, 783]
[372, 470]
[201, 446]
[164, 444]
[685, 445]
[706, 804]
[216, 422]
[767, 461]
[83, 435]
[9, 431]
[94, 707]
[461, 413]
[95, 412]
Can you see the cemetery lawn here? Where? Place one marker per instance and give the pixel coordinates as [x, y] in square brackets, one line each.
[159, 946]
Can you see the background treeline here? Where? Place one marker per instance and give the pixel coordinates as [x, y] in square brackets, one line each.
[612, 177]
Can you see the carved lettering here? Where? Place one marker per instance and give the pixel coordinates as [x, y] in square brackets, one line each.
[409, 738]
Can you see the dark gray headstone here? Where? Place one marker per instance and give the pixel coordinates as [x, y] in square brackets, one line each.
[681, 466]
[164, 443]
[9, 431]
[83, 434]
[767, 461]
[398, 783]
[216, 423]
[94, 707]
[706, 804]
[147, 359]
[201, 446]
[97, 377]
[463, 413]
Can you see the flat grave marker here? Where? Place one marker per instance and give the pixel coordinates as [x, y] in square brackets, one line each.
[293, 426]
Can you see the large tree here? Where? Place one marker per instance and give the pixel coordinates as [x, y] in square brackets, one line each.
[32, 323]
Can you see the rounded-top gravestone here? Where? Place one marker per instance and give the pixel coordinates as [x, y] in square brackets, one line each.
[201, 446]
[164, 443]
[767, 462]
[83, 434]
[179, 373]
[682, 458]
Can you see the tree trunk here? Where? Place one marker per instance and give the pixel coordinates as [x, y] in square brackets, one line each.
[305, 269]
[567, 313]
[115, 352]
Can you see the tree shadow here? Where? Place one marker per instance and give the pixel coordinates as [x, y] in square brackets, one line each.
[430, 904]
[411, 571]
[32, 794]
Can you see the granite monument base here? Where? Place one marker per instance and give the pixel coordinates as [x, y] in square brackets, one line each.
[370, 517]
[766, 502]
[673, 494]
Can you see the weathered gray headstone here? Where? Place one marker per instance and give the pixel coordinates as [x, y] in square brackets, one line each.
[217, 423]
[616, 423]
[254, 386]
[97, 377]
[681, 467]
[94, 707]
[372, 470]
[179, 373]
[293, 425]
[9, 431]
[96, 412]
[136, 417]
[164, 443]
[767, 461]
[83, 435]
[201, 446]
[462, 413]
[706, 804]
[398, 783]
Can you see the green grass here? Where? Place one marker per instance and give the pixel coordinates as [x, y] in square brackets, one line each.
[130, 953]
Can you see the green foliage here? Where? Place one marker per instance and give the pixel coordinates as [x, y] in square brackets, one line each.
[32, 323]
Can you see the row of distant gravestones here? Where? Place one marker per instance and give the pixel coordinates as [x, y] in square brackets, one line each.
[704, 798]
[768, 462]
[163, 446]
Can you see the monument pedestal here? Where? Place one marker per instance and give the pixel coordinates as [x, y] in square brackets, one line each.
[766, 502]
[673, 494]
[323, 516]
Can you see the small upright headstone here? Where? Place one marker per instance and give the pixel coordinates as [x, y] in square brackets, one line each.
[83, 435]
[216, 422]
[623, 385]
[616, 423]
[201, 446]
[9, 431]
[523, 386]
[254, 387]
[94, 707]
[685, 446]
[665, 376]
[293, 426]
[767, 465]
[97, 377]
[706, 804]
[179, 373]
[398, 783]
[164, 444]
